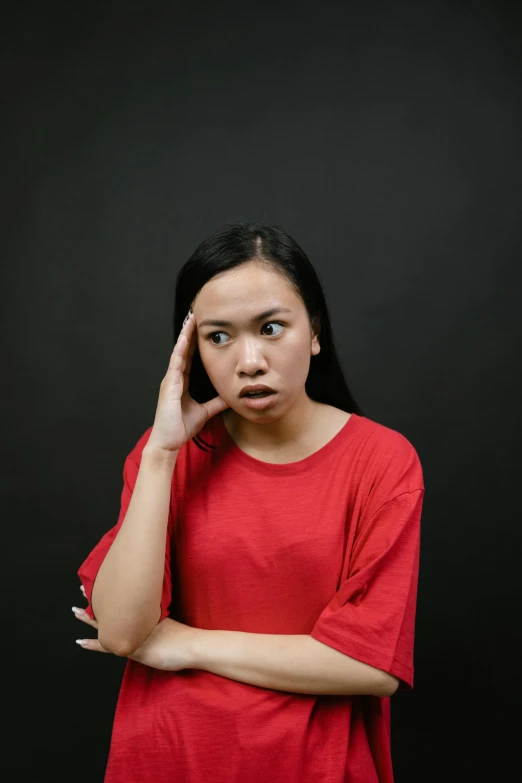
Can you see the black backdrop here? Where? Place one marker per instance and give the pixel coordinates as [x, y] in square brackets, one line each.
[387, 139]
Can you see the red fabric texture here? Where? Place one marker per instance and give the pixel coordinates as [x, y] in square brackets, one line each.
[327, 546]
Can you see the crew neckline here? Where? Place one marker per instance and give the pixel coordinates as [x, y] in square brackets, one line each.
[287, 468]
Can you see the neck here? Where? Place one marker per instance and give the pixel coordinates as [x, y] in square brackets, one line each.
[266, 435]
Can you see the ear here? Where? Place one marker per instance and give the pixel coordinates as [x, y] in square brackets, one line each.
[316, 328]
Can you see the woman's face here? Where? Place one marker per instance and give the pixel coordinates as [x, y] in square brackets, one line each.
[274, 350]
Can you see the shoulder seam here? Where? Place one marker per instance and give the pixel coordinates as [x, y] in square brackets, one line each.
[392, 500]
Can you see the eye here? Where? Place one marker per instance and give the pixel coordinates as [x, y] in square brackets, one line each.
[268, 323]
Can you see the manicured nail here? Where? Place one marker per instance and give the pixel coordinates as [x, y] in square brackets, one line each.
[78, 611]
[80, 641]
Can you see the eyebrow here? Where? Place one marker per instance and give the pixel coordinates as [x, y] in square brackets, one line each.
[266, 314]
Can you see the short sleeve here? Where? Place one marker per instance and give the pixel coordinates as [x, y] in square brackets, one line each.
[90, 567]
[372, 616]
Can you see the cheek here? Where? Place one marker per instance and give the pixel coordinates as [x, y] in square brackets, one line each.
[297, 353]
[297, 365]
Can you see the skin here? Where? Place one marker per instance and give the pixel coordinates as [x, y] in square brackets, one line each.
[295, 663]
[250, 352]
[264, 352]
[169, 645]
[275, 351]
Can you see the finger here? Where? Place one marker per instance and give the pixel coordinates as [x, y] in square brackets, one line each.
[177, 356]
[82, 588]
[188, 330]
[84, 617]
[181, 356]
[215, 405]
[92, 644]
[192, 342]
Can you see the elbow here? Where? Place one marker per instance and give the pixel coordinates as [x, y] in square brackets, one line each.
[123, 645]
[389, 685]
[116, 646]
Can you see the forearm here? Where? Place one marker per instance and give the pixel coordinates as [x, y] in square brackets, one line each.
[127, 590]
[294, 663]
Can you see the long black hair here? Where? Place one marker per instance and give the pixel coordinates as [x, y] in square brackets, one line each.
[235, 243]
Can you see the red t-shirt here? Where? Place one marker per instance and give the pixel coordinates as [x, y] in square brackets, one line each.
[327, 546]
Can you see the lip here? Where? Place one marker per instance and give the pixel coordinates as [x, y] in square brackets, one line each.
[259, 403]
[255, 388]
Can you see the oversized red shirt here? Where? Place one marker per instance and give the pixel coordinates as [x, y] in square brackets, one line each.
[327, 546]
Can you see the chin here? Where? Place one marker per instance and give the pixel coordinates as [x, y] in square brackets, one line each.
[268, 417]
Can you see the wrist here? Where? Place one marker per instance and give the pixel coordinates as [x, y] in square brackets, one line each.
[159, 458]
[198, 646]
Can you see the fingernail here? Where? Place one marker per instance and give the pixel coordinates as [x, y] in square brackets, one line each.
[79, 641]
[78, 611]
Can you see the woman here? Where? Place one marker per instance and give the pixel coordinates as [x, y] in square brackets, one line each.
[262, 576]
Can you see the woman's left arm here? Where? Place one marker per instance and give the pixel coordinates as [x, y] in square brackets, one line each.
[296, 663]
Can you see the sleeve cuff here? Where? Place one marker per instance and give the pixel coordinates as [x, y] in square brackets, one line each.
[379, 659]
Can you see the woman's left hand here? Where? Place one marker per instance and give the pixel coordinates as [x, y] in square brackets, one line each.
[168, 646]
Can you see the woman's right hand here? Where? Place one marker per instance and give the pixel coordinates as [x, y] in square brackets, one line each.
[178, 416]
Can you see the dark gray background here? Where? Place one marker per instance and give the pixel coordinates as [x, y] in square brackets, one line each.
[386, 138]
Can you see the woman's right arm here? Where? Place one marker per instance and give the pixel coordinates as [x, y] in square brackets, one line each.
[127, 590]
[126, 594]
